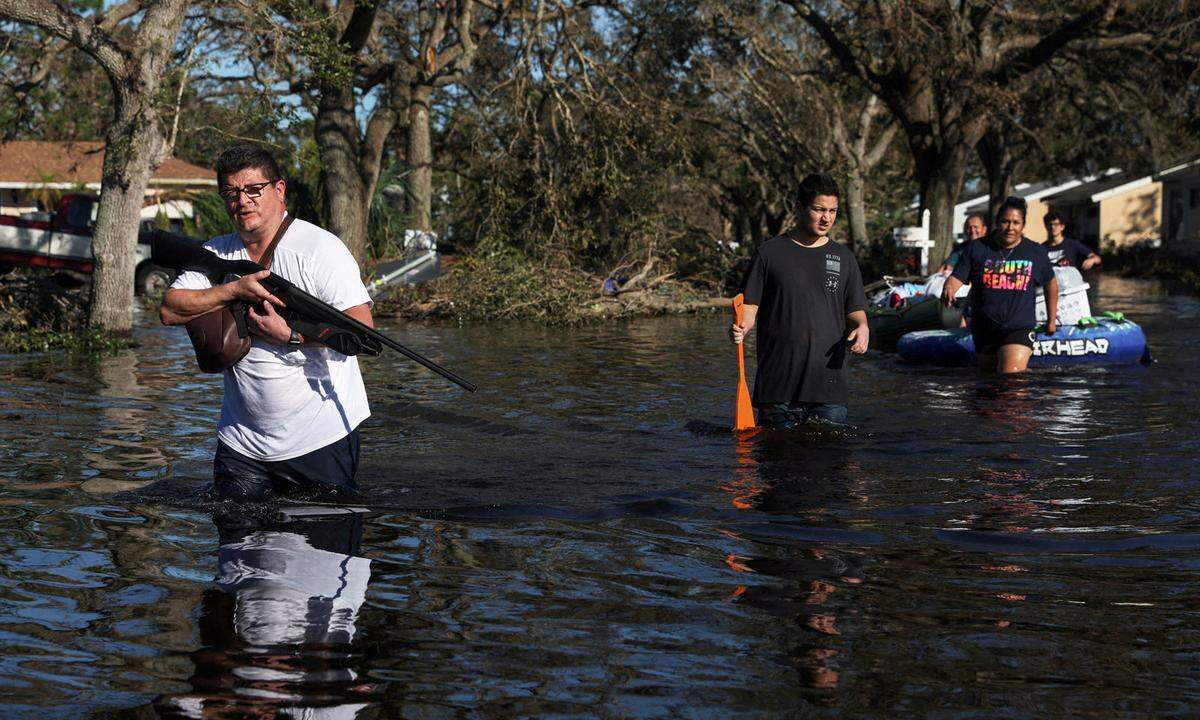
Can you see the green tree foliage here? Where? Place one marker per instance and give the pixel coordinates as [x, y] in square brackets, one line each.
[584, 156]
[578, 139]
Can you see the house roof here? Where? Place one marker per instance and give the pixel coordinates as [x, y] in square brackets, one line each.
[1122, 183]
[1029, 191]
[39, 163]
[1179, 171]
[1088, 190]
[980, 202]
[1062, 190]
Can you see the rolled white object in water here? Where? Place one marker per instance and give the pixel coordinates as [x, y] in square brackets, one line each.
[1072, 298]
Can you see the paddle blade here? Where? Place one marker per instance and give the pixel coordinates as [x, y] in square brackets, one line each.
[743, 410]
[743, 414]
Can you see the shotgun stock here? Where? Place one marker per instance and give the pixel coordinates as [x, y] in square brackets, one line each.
[184, 254]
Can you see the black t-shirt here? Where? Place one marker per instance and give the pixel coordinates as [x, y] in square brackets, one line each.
[803, 296]
[1004, 283]
[1068, 253]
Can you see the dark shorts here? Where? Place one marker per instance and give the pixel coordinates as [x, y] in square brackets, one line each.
[781, 417]
[325, 472]
[989, 337]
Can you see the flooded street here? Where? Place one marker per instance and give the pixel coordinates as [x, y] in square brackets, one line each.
[584, 538]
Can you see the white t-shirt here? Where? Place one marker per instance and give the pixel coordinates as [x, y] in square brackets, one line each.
[290, 592]
[282, 403]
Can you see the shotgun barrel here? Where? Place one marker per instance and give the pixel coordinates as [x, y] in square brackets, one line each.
[183, 254]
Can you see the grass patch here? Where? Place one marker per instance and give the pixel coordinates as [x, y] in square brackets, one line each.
[87, 341]
[44, 312]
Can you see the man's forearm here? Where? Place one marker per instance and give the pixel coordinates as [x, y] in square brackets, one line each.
[749, 316]
[361, 313]
[856, 318]
[950, 289]
[1050, 291]
[180, 306]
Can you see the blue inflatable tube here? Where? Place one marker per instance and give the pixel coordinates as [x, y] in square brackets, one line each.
[1109, 342]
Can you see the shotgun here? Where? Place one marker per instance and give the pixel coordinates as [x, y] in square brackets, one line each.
[312, 318]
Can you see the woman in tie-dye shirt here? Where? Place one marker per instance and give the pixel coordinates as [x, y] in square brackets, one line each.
[1005, 270]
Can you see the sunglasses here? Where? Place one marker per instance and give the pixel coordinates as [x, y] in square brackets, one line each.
[230, 193]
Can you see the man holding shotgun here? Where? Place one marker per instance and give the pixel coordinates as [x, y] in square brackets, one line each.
[290, 417]
[804, 292]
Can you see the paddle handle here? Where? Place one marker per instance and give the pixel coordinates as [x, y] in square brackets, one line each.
[737, 319]
[743, 410]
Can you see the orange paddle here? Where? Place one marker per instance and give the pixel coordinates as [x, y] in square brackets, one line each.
[743, 411]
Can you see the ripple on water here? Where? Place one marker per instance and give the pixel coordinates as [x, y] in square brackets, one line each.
[584, 537]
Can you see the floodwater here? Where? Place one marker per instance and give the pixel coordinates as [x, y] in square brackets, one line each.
[582, 538]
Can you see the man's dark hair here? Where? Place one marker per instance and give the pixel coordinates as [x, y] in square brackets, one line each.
[981, 216]
[1012, 202]
[243, 156]
[816, 184]
[1052, 215]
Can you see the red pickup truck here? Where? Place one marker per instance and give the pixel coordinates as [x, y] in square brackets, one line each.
[65, 241]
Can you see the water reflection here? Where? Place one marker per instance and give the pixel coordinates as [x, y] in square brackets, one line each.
[1007, 406]
[122, 456]
[279, 624]
[802, 477]
[795, 472]
[746, 483]
[565, 543]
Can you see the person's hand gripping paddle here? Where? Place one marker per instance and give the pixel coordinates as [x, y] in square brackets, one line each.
[743, 411]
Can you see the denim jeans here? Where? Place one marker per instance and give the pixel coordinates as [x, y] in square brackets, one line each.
[325, 472]
[781, 417]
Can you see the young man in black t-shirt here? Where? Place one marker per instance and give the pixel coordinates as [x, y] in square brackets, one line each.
[803, 292]
[1065, 251]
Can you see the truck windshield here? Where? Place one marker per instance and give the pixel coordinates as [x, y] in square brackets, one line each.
[79, 214]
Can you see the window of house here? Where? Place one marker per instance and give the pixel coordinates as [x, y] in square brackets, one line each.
[1193, 197]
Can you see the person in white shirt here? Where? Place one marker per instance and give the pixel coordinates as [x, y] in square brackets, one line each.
[291, 410]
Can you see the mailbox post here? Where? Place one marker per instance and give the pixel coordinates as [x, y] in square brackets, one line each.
[916, 237]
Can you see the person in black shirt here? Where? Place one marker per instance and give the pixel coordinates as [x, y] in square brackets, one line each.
[802, 291]
[1005, 269]
[1065, 251]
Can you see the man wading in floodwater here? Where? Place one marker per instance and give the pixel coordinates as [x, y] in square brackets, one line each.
[974, 227]
[289, 421]
[803, 292]
[1064, 251]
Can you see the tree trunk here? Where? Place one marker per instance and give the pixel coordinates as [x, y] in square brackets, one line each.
[859, 161]
[940, 164]
[939, 193]
[337, 136]
[775, 222]
[856, 209]
[420, 159]
[756, 227]
[996, 156]
[133, 147]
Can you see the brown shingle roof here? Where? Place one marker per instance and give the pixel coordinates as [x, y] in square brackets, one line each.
[76, 161]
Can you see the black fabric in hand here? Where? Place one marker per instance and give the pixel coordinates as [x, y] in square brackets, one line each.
[347, 342]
